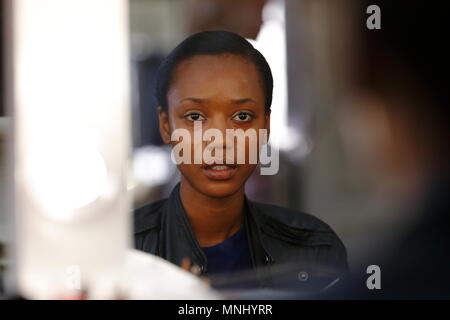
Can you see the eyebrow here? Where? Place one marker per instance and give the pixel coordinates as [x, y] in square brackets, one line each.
[196, 100]
[242, 101]
[234, 101]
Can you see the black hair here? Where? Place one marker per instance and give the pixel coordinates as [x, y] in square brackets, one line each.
[212, 43]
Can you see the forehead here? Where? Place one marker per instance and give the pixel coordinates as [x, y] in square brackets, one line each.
[212, 77]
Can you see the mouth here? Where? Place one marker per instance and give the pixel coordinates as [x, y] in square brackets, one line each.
[220, 171]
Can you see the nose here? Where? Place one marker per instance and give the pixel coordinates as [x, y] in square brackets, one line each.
[220, 124]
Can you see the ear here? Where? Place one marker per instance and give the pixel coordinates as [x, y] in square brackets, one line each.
[267, 123]
[164, 127]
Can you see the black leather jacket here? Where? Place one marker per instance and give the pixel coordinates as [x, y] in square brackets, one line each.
[278, 237]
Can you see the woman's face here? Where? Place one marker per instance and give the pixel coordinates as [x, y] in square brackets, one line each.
[223, 92]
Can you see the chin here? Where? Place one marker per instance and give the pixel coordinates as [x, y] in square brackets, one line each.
[216, 189]
[220, 189]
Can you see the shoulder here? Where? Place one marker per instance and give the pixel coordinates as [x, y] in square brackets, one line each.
[296, 227]
[148, 216]
[289, 233]
[289, 218]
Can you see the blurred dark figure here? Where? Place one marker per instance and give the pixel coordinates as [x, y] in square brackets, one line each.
[402, 108]
[243, 17]
[148, 121]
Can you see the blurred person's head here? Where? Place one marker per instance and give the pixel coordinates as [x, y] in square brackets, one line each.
[218, 78]
[399, 123]
[243, 17]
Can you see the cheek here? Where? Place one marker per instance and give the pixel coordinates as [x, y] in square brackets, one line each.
[176, 123]
[248, 169]
[191, 172]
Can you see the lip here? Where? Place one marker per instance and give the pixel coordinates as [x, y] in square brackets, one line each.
[219, 171]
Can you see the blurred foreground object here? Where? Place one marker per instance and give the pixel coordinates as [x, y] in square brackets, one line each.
[69, 99]
[395, 125]
[150, 277]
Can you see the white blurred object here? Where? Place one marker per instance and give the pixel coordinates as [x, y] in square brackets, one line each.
[70, 99]
[271, 42]
[150, 277]
[152, 165]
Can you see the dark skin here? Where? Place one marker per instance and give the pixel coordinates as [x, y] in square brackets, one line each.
[224, 92]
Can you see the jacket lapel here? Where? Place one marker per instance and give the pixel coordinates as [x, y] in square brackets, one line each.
[178, 240]
[261, 258]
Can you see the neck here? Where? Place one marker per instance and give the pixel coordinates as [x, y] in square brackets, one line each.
[212, 219]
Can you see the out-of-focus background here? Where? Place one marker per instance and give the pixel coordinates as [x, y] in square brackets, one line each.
[330, 150]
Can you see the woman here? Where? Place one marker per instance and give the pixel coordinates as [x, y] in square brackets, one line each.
[218, 80]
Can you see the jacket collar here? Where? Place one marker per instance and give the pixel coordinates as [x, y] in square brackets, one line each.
[175, 225]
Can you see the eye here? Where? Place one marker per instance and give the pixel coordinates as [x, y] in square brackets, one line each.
[194, 117]
[243, 117]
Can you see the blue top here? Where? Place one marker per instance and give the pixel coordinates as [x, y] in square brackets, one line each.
[231, 255]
